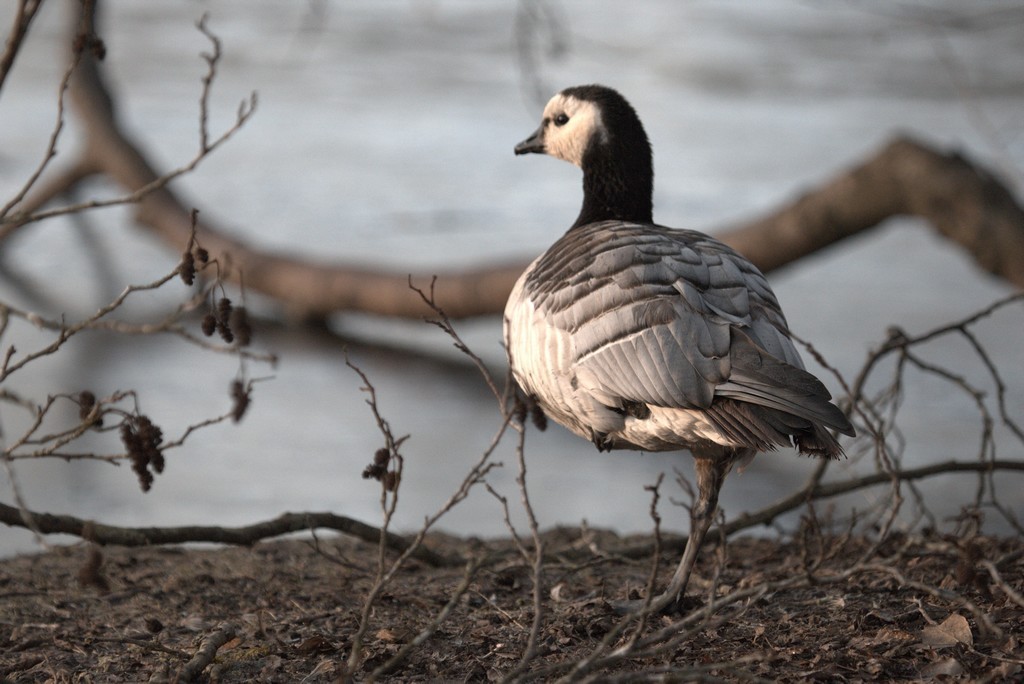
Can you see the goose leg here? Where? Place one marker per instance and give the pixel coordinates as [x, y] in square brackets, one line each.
[711, 471]
[712, 463]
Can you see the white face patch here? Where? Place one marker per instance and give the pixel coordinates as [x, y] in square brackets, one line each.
[582, 121]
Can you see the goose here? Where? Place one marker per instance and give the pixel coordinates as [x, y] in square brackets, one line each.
[638, 336]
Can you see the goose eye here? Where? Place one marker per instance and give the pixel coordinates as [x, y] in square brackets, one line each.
[561, 120]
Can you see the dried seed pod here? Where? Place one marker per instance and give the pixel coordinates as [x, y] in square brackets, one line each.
[202, 256]
[149, 435]
[86, 402]
[225, 332]
[142, 440]
[145, 478]
[223, 308]
[240, 394]
[209, 324]
[128, 438]
[379, 468]
[187, 269]
[391, 480]
[137, 454]
[373, 472]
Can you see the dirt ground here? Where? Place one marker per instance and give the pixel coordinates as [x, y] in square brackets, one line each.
[288, 611]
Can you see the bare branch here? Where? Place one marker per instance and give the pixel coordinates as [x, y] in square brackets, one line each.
[963, 201]
[48, 155]
[23, 17]
[960, 199]
[475, 476]
[246, 535]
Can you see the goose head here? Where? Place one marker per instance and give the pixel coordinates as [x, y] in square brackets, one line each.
[596, 129]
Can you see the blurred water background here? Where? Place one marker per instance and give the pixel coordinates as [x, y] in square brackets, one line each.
[384, 136]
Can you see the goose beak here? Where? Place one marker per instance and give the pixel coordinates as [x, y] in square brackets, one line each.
[535, 143]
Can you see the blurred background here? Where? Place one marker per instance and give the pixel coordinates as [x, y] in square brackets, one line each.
[384, 135]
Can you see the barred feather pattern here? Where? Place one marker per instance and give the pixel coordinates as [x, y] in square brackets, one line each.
[639, 336]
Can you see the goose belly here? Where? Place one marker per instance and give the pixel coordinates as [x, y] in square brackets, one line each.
[668, 429]
[543, 356]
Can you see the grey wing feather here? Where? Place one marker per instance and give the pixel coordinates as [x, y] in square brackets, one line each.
[652, 311]
[759, 378]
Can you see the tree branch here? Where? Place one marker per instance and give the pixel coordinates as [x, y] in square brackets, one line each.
[961, 200]
[47, 523]
[23, 17]
[286, 523]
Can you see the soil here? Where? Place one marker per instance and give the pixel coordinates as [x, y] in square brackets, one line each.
[922, 607]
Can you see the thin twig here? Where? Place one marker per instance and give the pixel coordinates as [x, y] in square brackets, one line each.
[58, 128]
[205, 655]
[31, 213]
[23, 17]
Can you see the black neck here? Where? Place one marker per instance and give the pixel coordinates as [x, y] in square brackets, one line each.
[617, 183]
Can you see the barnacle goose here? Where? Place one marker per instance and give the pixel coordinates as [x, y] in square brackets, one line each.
[638, 336]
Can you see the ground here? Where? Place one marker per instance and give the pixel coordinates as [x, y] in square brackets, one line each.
[287, 611]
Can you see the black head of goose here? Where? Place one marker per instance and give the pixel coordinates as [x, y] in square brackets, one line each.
[637, 336]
